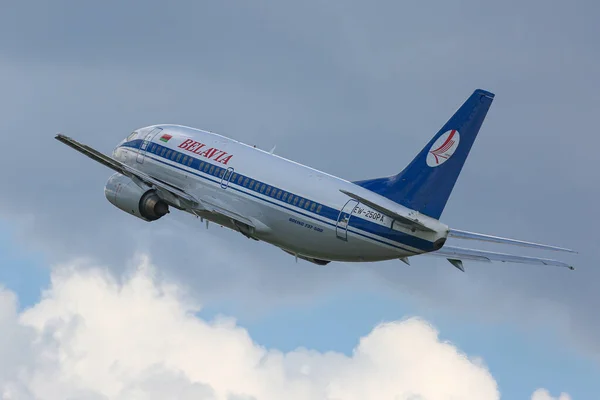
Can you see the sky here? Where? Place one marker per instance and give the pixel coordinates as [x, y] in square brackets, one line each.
[95, 304]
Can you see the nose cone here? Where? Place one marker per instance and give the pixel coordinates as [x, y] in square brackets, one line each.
[118, 150]
[115, 152]
[133, 135]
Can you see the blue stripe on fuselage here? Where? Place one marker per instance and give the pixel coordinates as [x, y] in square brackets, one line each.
[157, 151]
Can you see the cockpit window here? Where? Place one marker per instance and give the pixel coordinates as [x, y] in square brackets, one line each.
[132, 135]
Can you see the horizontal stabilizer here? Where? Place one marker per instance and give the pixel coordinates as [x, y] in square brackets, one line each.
[457, 263]
[459, 253]
[412, 218]
[458, 234]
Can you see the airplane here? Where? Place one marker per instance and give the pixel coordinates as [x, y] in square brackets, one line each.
[307, 213]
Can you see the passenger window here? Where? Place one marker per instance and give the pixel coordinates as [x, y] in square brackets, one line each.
[178, 157]
[319, 209]
[173, 156]
[211, 170]
[262, 188]
[279, 194]
[162, 153]
[306, 205]
[301, 203]
[206, 167]
[296, 200]
[240, 180]
[268, 190]
[312, 207]
[190, 161]
[290, 198]
[184, 159]
[152, 148]
[251, 184]
[233, 178]
[168, 153]
[246, 182]
[221, 173]
[284, 196]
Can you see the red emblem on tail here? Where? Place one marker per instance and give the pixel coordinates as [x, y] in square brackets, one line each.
[443, 148]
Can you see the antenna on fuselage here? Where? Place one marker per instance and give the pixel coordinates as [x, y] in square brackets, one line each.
[273, 149]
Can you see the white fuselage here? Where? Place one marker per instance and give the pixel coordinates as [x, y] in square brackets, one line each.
[294, 207]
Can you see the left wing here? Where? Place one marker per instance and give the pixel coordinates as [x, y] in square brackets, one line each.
[172, 194]
[167, 190]
[455, 255]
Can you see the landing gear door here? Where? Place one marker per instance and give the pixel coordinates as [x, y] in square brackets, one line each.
[341, 227]
[146, 143]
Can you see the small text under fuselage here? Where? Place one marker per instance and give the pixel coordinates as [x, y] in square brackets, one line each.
[304, 224]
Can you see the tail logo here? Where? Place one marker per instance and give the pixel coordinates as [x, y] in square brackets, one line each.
[443, 148]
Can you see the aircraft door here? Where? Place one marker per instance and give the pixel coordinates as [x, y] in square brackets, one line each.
[341, 228]
[146, 143]
[226, 178]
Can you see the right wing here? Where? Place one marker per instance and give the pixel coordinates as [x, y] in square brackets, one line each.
[455, 255]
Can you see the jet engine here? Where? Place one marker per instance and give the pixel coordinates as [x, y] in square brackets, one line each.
[124, 194]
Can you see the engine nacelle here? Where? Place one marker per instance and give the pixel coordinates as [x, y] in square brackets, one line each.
[124, 194]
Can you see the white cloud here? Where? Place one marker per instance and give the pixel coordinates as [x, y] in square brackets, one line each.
[93, 337]
[543, 394]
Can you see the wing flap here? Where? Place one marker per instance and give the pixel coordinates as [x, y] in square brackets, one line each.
[459, 253]
[214, 205]
[458, 234]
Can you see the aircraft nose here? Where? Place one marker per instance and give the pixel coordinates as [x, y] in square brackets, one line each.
[116, 149]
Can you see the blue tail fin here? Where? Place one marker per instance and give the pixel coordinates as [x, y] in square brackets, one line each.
[426, 183]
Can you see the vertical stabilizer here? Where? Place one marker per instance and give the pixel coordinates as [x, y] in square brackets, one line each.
[426, 183]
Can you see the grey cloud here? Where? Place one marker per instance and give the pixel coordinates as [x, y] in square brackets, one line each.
[347, 87]
[171, 352]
